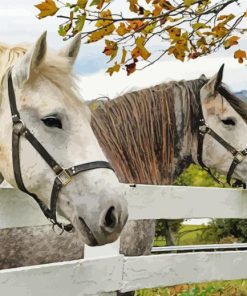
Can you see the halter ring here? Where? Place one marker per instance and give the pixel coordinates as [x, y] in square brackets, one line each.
[239, 157]
[64, 177]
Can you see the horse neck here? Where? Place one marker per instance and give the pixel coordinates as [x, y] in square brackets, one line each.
[186, 95]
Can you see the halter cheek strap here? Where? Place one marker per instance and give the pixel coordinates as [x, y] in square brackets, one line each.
[62, 176]
[238, 156]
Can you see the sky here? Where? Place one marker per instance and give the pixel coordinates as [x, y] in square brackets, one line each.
[18, 24]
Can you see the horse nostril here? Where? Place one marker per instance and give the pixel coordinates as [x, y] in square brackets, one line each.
[110, 218]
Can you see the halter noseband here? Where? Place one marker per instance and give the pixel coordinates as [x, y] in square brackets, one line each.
[63, 176]
[238, 156]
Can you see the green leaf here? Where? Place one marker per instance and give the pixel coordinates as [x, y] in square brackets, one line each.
[94, 2]
[79, 23]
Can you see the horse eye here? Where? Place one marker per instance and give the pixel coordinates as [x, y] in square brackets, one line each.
[228, 121]
[52, 121]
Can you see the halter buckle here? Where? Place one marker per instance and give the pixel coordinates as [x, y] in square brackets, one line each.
[64, 177]
[203, 128]
[19, 125]
[239, 157]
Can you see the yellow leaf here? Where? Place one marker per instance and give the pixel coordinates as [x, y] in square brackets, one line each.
[124, 53]
[82, 3]
[101, 33]
[240, 55]
[106, 18]
[174, 33]
[113, 69]
[122, 30]
[188, 3]
[47, 8]
[140, 49]
[198, 26]
[149, 28]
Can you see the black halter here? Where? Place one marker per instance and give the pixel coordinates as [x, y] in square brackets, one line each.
[238, 156]
[63, 176]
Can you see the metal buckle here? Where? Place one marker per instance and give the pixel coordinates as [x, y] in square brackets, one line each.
[64, 177]
[19, 125]
[203, 128]
[239, 157]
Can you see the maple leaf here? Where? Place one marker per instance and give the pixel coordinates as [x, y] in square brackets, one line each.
[47, 8]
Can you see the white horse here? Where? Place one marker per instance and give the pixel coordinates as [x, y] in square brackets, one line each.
[48, 104]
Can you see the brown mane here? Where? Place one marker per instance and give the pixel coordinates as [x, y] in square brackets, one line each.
[137, 132]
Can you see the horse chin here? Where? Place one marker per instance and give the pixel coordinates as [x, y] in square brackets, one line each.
[85, 233]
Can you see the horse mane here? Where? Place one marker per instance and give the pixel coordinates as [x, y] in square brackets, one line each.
[137, 130]
[55, 67]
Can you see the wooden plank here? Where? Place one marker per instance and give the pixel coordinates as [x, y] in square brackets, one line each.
[17, 209]
[178, 202]
[102, 251]
[145, 202]
[172, 269]
[80, 278]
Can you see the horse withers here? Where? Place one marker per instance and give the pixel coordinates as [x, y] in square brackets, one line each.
[47, 147]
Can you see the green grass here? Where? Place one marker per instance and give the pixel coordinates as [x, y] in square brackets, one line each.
[192, 235]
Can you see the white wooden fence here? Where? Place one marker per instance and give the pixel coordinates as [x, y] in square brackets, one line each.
[104, 271]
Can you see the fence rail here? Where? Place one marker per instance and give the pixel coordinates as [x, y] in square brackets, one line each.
[145, 202]
[104, 271]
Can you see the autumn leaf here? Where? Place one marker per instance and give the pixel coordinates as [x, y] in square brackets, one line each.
[82, 3]
[140, 49]
[79, 24]
[133, 5]
[124, 54]
[136, 25]
[111, 49]
[113, 69]
[188, 3]
[231, 41]
[157, 10]
[240, 55]
[174, 33]
[198, 26]
[47, 8]
[106, 24]
[101, 33]
[122, 30]
[131, 68]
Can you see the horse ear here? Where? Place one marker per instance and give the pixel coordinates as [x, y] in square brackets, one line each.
[203, 77]
[31, 60]
[213, 84]
[72, 50]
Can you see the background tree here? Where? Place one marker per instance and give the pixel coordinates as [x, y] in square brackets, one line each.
[185, 29]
